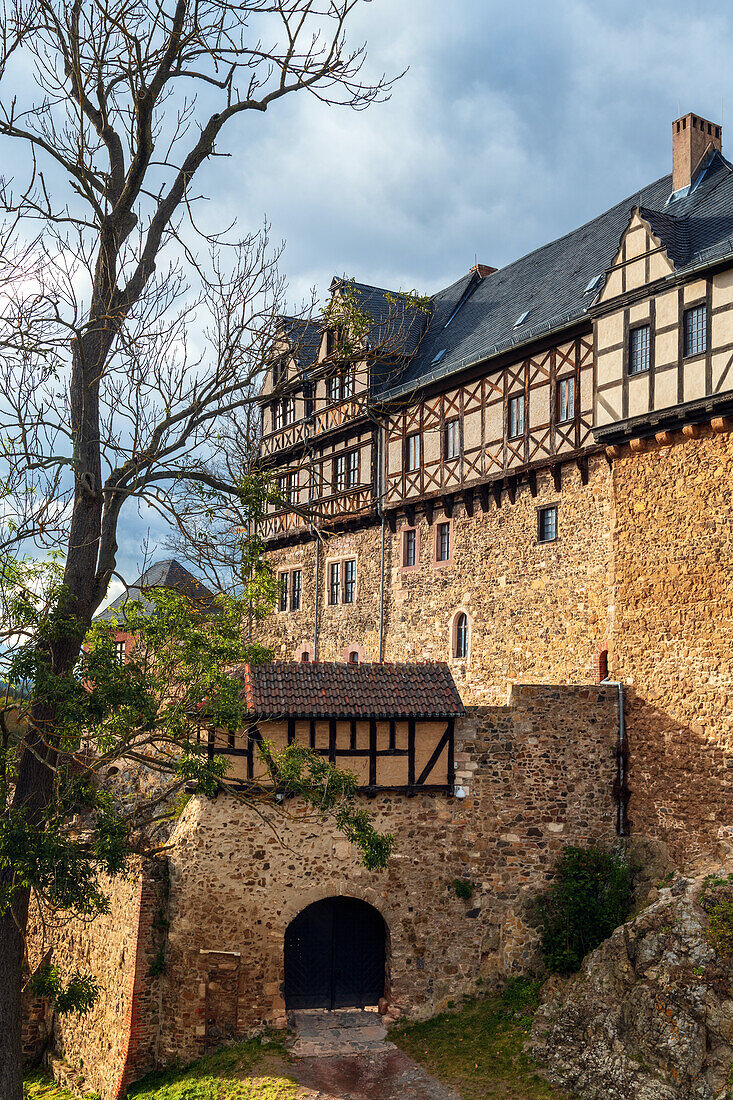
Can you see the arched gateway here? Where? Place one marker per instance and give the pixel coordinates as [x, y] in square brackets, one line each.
[335, 955]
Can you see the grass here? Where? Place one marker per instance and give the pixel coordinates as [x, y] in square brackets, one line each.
[478, 1049]
[37, 1087]
[253, 1070]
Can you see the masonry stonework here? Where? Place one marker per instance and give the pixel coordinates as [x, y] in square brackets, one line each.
[115, 1043]
[672, 638]
[536, 611]
[538, 774]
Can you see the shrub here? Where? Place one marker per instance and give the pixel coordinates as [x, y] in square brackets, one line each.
[463, 888]
[589, 897]
[716, 899]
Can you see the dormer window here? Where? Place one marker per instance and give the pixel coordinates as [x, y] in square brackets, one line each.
[340, 387]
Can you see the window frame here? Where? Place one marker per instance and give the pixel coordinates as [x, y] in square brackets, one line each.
[697, 307]
[439, 562]
[338, 480]
[337, 583]
[542, 510]
[333, 583]
[293, 588]
[452, 431]
[283, 582]
[643, 327]
[348, 583]
[409, 529]
[121, 651]
[411, 466]
[516, 400]
[352, 468]
[569, 381]
[455, 635]
[287, 589]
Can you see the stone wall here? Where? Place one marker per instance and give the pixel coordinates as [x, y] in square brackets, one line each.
[672, 637]
[536, 611]
[538, 773]
[116, 1042]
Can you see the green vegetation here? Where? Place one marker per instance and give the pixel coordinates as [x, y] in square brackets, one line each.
[479, 1049]
[464, 888]
[589, 897]
[38, 1087]
[716, 899]
[253, 1070]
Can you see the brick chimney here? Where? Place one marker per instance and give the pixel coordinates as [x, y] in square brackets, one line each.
[691, 138]
[482, 270]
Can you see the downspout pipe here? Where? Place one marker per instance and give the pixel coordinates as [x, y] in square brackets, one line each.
[318, 597]
[621, 829]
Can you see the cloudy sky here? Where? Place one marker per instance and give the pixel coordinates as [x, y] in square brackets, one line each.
[515, 123]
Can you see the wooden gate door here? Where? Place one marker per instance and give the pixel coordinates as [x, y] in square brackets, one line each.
[335, 956]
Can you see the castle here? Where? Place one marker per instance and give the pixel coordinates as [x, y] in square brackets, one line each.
[503, 541]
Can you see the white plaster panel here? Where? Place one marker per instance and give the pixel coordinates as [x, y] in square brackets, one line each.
[665, 388]
[610, 366]
[635, 274]
[613, 287]
[494, 420]
[723, 288]
[539, 406]
[694, 380]
[659, 266]
[639, 395]
[608, 405]
[722, 329]
[723, 372]
[431, 445]
[666, 309]
[695, 291]
[639, 312]
[636, 242]
[472, 430]
[666, 348]
[609, 330]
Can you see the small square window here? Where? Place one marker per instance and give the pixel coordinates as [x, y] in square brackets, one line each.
[451, 439]
[695, 329]
[409, 548]
[412, 457]
[639, 349]
[547, 524]
[565, 400]
[442, 542]
[516, 416]
[296, 585]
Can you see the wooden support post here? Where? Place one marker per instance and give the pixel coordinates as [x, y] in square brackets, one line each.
[429, 511]
[411, 756]
[448, 501]
[352, 734]
[372, 752]
[557, 477]
[451, 754]
[392, 521]
[410, 513]
[332, 740]
[532, 482]
[496, 493]
[468, 501]
[583, 467]
[313, 733]
[392, 734]
[692, 431]
[483, 496]
[510, 485]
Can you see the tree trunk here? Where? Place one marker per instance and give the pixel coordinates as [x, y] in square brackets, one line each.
[11, 978]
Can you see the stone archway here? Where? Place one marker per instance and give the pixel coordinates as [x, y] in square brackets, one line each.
[335, 955]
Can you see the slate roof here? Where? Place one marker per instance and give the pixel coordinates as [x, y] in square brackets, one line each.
[306, 340]
[551, 282]
[285, 689]
[398, 324]
[162, 574]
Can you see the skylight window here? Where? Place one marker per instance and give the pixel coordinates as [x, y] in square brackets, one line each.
[438, 357]
[521, 318]
[594, 284]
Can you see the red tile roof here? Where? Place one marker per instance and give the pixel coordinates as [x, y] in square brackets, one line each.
[343, 690]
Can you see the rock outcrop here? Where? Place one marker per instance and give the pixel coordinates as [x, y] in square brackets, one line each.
[650, 1015]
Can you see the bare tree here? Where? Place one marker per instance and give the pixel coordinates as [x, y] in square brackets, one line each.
[107, 396]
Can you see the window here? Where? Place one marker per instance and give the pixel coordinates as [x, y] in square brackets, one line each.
[353, 657]
[277, 415]
[565, 399]
[332, 388]
[305, 657]
[283, 605]
[296, 585]
[412, 452]
[516, 416]
[349, 581]
[288, 486]
[334, 583]
[409, 548]
[639, 344]
[347, 384]
[460, 646]
[289, 410]
[442, 542]
[339, 473]
[120, 652]
[695, 325]
[547, 524]
[352, 469]
[309, 401]
[451, 439]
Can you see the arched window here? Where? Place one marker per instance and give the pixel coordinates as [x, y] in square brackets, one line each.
[305, 657]
[353, 657]
[460, 642]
